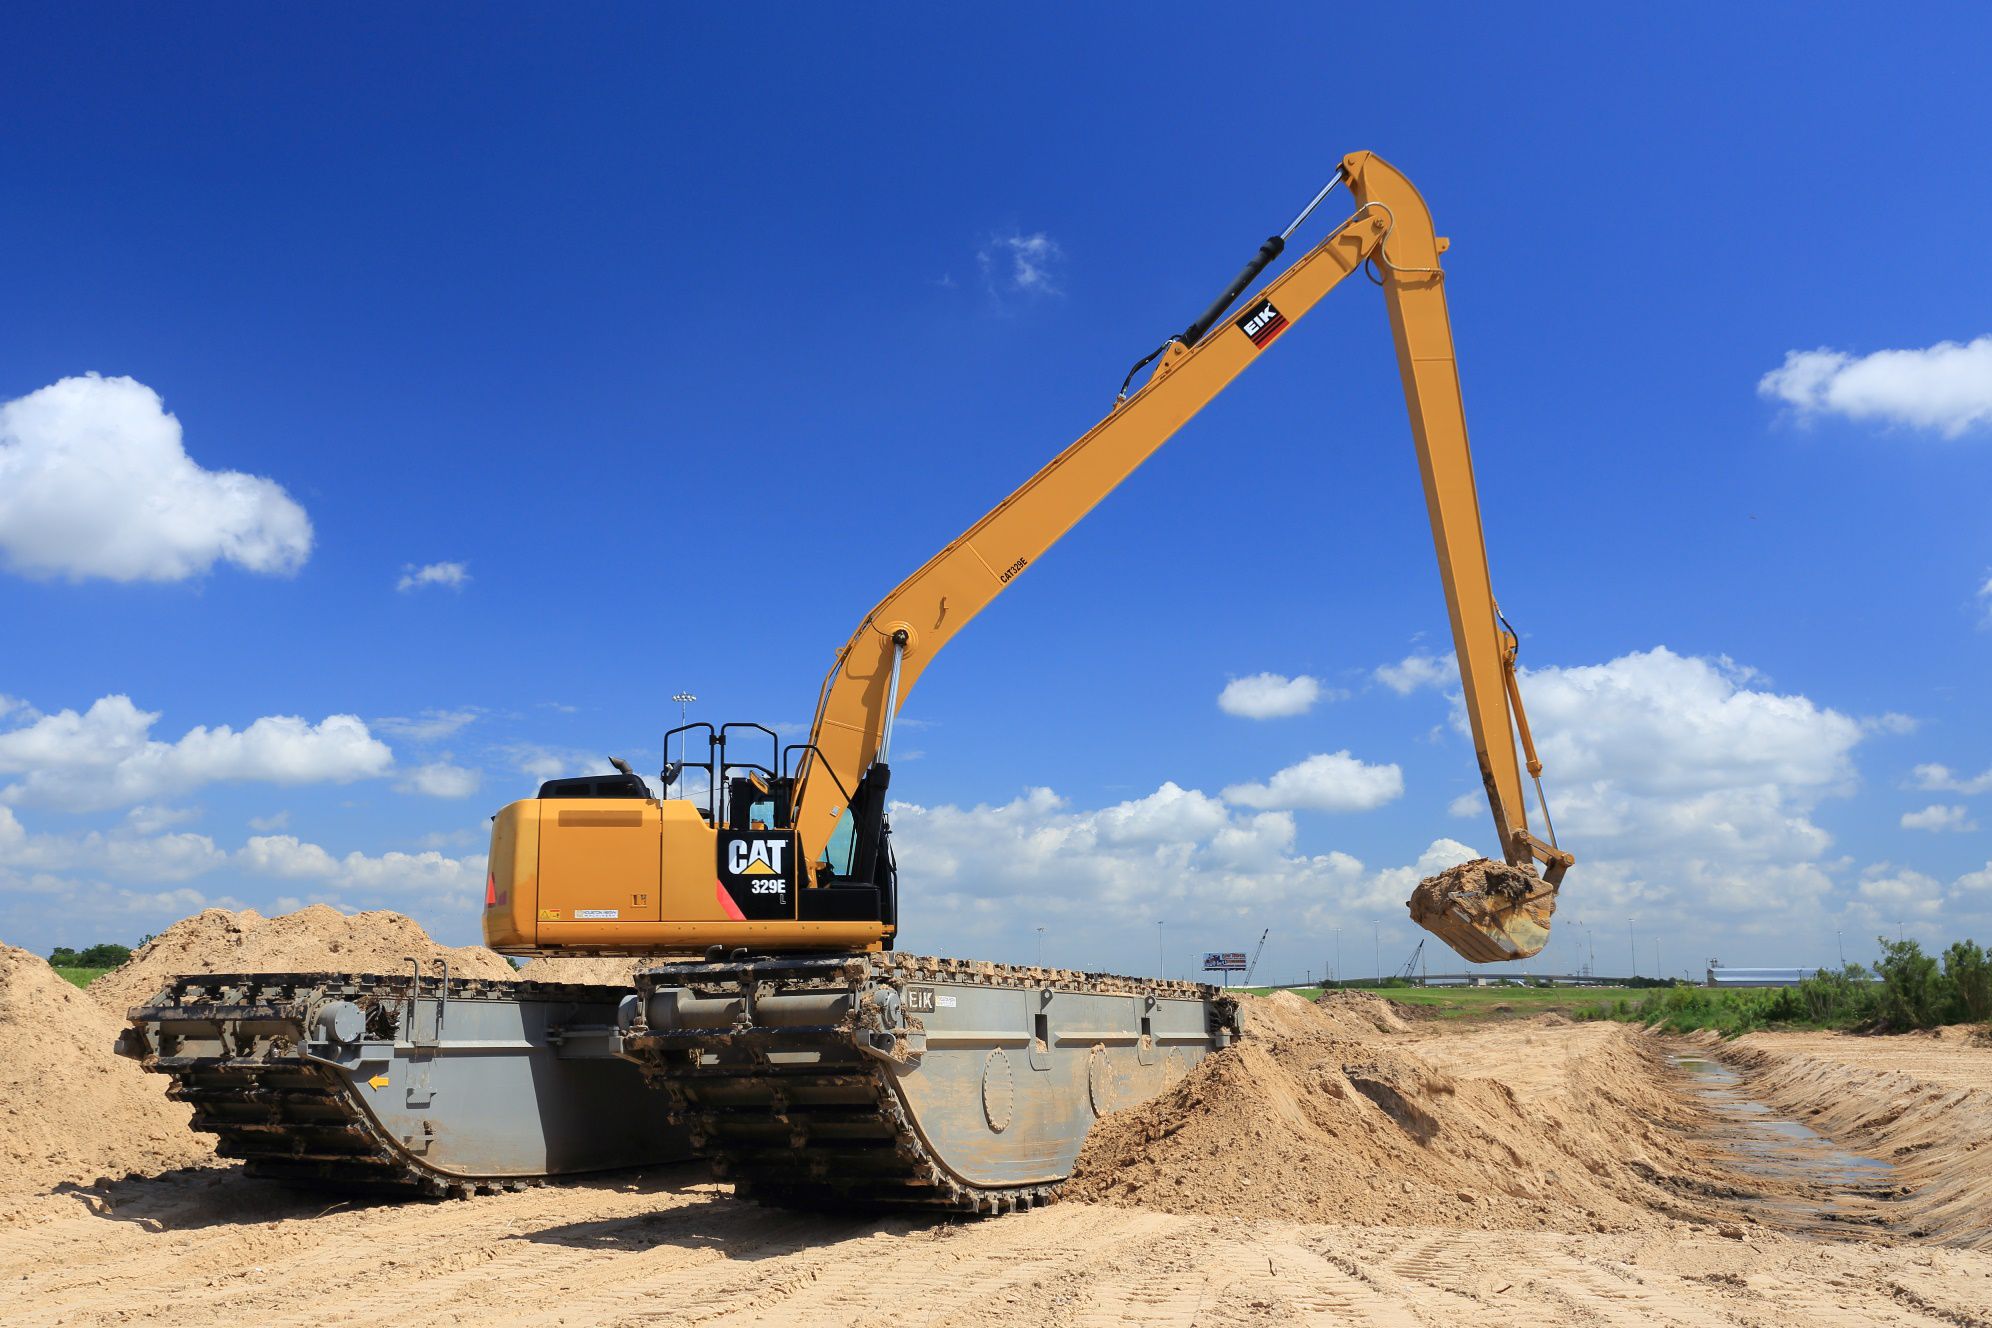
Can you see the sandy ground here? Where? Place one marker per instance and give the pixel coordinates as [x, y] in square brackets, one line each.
[664, 1252]
[667, 1248]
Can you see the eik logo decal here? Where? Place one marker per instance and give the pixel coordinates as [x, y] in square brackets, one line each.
[1262, 323]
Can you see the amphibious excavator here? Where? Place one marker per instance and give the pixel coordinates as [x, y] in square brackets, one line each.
[778, 1032]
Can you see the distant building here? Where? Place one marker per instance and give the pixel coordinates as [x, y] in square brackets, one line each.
[1758, 977]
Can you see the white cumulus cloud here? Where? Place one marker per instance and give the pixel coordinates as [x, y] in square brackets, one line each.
[450, 576]
[95, 481]
[128, 852]
[427, 726]
[1416, 671]
[1683, 783]
[1946, 388]
[106, 756]
[1942, 779]
[1937, 817]
[390, 875]
[1655, 721]
[439, 779]
[988, 875]
[1271, 696]
[1326, 782]
[1021, 264]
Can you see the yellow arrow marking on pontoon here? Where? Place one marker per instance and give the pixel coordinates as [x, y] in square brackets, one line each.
[378, 1082]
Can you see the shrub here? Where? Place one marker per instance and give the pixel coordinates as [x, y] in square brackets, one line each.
[1843, 998]
[1969, 972]
[1915, 992]
[106, 955]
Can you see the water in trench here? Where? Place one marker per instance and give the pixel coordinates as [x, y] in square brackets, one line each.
[1809, 1183]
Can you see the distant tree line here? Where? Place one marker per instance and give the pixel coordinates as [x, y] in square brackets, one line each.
[107, 955]
[1907, 989]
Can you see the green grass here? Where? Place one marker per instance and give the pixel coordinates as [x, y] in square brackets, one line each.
[1490, 1002]
[82, 977]
[1817, 1003]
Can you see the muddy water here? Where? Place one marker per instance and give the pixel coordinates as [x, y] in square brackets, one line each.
[1804, 1181]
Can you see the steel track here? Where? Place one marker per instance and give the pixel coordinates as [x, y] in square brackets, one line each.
[292, 1118]
[810, 1116]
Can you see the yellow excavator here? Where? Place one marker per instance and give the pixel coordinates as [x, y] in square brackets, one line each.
[599, 866]
[780, 1034]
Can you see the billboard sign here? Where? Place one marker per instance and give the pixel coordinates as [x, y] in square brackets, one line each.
[1228, 962]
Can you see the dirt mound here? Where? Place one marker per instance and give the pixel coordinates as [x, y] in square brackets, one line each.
[317, 939]
[1373, 1013]
[71, 1110]
[616, 971]
[1317, 1115]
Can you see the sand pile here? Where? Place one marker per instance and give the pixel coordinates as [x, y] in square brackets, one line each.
[312, 940]
[1359, 1013]
[620, 972]
[1319, 1114]
[71, 1110]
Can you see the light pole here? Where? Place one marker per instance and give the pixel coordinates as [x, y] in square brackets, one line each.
[1842, 945]
[1161, 953]
[1376, 939]
[683, 699]
[1338, 956]
[1632, 943]
[1040, 947]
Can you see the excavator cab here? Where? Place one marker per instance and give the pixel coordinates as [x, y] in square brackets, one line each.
[597, 864]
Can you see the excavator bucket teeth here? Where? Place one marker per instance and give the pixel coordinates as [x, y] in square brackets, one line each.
[1487, 911]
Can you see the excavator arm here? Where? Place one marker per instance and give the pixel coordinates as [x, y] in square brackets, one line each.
[846, 766]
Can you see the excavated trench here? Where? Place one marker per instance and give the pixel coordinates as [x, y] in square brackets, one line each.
[1805, 1183]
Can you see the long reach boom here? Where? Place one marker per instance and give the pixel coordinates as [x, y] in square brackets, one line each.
[1391, 231]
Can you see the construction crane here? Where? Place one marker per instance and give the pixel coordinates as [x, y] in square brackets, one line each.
[1257, 950]
[1410, 969]
[785, 1040]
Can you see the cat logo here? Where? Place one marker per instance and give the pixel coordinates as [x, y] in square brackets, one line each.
[757, 874]
[755, 857]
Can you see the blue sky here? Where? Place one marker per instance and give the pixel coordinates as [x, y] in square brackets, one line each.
[684, 335]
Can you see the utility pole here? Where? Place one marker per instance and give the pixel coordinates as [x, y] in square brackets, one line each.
[1632, 943]
[1376, 939]
[1338, 956]
[683, 699]
[1161, 952]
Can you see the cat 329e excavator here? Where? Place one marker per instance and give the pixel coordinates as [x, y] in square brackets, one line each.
[780, 1035]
